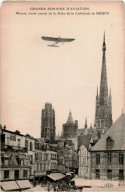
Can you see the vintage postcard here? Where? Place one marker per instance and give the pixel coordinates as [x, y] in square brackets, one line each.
[62, 100]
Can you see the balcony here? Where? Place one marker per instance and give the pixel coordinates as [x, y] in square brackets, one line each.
[14, 149]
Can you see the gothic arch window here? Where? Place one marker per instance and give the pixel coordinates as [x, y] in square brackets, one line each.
[109, 143]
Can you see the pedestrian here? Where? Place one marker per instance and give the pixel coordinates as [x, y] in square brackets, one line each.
[54, 188]
[62, 188]
[48, 187]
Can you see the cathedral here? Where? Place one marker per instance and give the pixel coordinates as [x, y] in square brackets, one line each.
[70, 128]
[103, 110]
[48, 122]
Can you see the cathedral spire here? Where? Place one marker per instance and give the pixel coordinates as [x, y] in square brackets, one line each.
[86, 123]
[58, 135]
[61, 134]
[70, 119]
[97, 93]
[91, 126]
[104, 37]
[103, 112]
[110, 92]
[103, 82]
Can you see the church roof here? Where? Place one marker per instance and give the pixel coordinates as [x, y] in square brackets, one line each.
[117, 133]
[84, 140]
[70, 119]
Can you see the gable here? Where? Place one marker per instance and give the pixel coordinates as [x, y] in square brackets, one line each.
[116, 133]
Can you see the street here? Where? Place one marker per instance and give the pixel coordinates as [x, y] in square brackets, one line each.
[38, 188]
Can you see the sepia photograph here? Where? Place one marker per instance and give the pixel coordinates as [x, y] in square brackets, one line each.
[62, 96]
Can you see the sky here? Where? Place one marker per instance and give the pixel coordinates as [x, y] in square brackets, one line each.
[33, 73]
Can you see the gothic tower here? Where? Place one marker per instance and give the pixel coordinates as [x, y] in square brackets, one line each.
[103, 113]
[70, 128]
[48, 122]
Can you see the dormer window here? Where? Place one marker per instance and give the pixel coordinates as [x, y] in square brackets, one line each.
[109, 143]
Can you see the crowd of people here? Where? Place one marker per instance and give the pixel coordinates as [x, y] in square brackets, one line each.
[60, 186]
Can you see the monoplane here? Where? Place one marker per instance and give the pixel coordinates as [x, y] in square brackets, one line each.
[56, 40]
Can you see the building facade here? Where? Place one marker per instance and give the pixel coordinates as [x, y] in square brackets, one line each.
[24, 157]
[40, 160]
[108, 154]
[67, 157]
[68, 161]
[17, 158]
[83, 131]
[83, 162]
[103, 112]
[51, 160]
[48, 122]
[70, 128]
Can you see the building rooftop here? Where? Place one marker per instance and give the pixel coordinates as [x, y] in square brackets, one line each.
[17, 132]
[117, 133]
[84, 140]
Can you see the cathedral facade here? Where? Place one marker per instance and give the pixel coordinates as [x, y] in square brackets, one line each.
[48, 122]
[103, 112]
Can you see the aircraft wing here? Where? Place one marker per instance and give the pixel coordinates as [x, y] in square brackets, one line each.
[57, 39]
[66, 40]
[50, 38]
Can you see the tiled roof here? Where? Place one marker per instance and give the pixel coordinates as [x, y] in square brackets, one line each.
[117, 133]
[84, 140]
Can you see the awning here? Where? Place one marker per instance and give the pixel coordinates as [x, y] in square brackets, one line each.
[31, 177]
[9, 185]
[24, 184]
[36, 189]
[74, 178]
[68, 174]
[56, 176]
[28, 190]
[1, 190]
